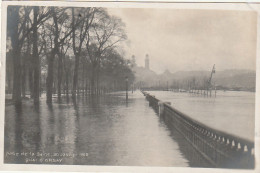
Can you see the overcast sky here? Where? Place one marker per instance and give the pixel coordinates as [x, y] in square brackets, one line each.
[190, 39]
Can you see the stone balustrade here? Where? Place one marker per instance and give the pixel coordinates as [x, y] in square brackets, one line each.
[219, 148]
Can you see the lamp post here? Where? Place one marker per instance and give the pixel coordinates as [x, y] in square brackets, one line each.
[126, 87]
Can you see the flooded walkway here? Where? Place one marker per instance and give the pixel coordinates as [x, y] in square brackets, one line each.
[103, 130]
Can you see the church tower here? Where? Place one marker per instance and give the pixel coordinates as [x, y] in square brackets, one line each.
[147, 62]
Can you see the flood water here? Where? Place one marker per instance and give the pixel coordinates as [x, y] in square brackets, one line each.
[230, 111]
[104, 130]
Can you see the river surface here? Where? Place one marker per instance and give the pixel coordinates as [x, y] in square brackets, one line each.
[104, 130]
[230, 111]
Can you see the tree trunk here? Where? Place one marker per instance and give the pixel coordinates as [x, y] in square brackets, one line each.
[9, 91]
[92, 82]
[97, 78]
[49, 80]
[67, 86]
[36, 86]
[75, 77]
[17, 77]
[78, 89]
[16, 52]
[23, 78]
[59, 77]
[86, 87]
[64, 88]
[30, 71]
[83, 79]
[40, 81]
[54, 86]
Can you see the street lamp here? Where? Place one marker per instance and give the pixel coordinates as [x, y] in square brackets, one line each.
[126, 87]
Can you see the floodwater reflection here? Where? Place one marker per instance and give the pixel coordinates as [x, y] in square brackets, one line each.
[98, 130]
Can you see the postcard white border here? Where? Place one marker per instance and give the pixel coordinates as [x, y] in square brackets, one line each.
[84, 168]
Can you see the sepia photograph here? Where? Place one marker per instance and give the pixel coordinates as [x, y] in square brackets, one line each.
[129, 86]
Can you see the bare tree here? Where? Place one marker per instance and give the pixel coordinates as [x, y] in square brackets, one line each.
[79, 35]
[60, 31]
[16, 31]
[39, 16]
[107, 31]
[40, 34]
[64, 64]
[19, 27]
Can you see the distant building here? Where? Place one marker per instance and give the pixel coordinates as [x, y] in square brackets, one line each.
[144, 76]
[147, 62]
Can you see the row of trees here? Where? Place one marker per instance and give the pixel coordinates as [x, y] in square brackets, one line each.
[55, 48]
[188, 83]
